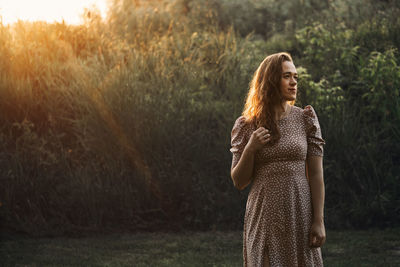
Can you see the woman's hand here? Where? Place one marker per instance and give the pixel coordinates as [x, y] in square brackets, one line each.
[258, 138]
[317, 234]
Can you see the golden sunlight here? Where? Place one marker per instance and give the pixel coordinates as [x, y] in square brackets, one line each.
[48, 10]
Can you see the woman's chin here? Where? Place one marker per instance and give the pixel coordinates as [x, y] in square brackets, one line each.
[293, 98]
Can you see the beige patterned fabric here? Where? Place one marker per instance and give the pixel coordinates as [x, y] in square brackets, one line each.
[279, 209]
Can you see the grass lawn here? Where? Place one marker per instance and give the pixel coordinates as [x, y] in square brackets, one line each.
[343, 248]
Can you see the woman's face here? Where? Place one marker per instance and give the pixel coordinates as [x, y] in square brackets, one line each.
[289, 81]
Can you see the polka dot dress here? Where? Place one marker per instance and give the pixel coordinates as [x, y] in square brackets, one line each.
[279, 209]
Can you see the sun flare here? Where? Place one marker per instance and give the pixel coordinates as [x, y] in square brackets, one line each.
[48, 10]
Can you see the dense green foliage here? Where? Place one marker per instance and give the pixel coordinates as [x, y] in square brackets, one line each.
[126, 123]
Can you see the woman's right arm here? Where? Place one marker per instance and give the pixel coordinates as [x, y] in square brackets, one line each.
[242, 172]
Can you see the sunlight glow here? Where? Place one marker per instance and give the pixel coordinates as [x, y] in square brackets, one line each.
[48, 10]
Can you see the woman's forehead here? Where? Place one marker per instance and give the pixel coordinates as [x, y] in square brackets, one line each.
[288, 66]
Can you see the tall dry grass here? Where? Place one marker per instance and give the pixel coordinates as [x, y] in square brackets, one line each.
[117, 124]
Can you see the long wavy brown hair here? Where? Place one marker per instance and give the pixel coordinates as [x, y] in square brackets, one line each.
[265, 93]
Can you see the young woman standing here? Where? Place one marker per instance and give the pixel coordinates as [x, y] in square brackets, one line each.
[278, 149]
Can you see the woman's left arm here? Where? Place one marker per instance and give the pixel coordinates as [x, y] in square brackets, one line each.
[316, 180]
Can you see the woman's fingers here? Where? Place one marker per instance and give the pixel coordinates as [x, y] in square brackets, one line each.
[317, 235]
[317, 240]
[263, 136]
[260, 137]
[313, 241]
[262, 132]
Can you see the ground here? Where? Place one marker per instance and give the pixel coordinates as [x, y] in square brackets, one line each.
[213, 248]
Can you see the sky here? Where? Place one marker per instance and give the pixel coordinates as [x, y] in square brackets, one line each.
[47, 10]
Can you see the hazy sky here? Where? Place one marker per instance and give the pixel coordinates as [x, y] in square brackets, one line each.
[47, 10]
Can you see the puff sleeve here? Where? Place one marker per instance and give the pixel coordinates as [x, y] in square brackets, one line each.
[315, 142]
[240, 135]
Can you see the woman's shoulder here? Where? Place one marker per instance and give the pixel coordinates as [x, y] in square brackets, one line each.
[310, 118]
[307, 112]
[241, 121]
[242, 124]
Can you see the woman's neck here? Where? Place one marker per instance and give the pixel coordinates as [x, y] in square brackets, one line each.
[281, 111]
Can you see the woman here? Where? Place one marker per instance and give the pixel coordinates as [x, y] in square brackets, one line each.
[278, 148]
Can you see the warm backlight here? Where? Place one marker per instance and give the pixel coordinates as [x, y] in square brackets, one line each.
[47, 10]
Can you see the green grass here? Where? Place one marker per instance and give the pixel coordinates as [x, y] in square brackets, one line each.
[344, 248]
